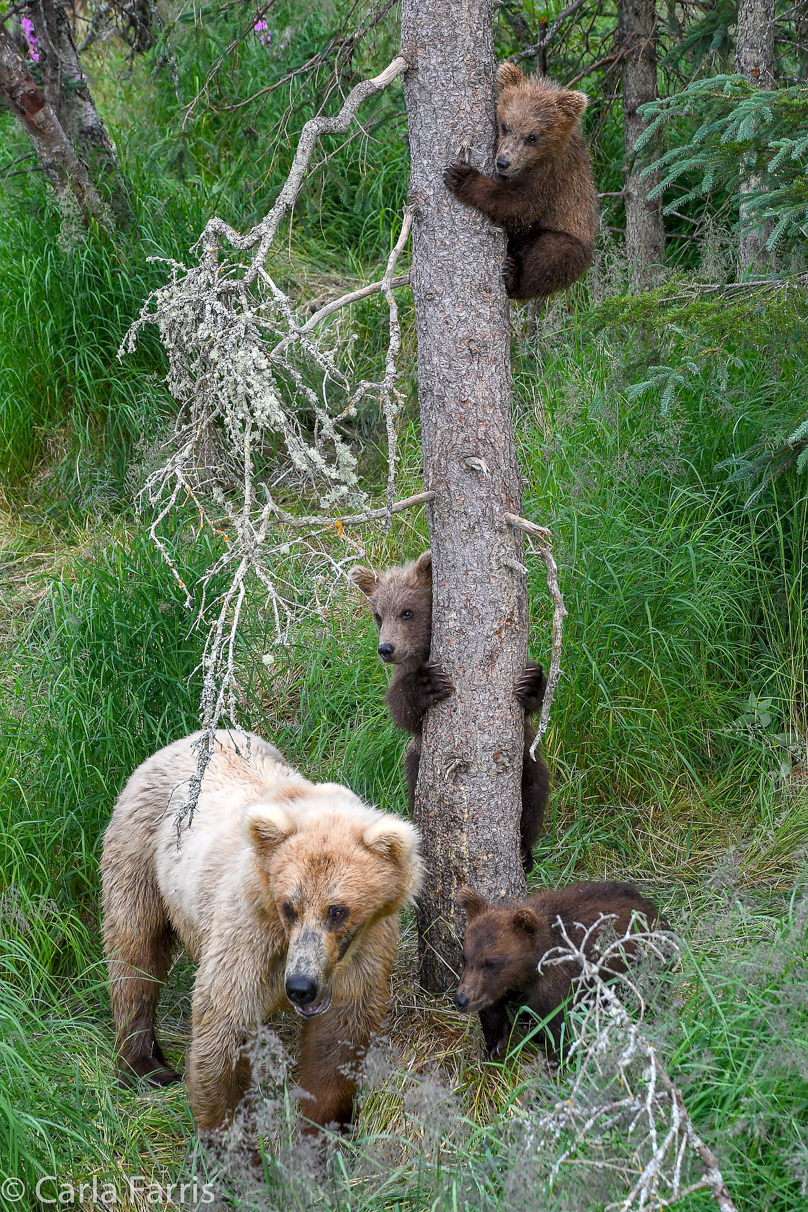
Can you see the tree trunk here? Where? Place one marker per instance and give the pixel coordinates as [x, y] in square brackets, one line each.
[645, 228]
[467, 801]
[68, 92]
[754, 58]
[56, 155]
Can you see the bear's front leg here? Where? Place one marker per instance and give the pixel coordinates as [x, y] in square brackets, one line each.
[230, 998]
[496, 1029]
[502, 203]
[412, 693]
[217, 1074]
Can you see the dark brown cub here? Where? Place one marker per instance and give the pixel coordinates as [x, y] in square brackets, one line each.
[504, 944]
[401, 602]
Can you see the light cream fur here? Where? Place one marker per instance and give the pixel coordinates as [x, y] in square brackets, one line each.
[264, 844]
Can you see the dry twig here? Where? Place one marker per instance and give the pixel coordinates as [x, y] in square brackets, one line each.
[615, 1054]
[542, 538]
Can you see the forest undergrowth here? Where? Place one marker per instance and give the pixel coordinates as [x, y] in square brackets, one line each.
[678, 739]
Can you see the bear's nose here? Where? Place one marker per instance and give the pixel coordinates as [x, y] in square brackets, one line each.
[386, 651]
[461, 1000]
[301, 990]
[502, 163]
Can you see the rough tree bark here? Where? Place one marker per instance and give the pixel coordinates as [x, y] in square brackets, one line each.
[62, 166]
[754, 58]
[645, 228]
[68, 91]
[66, 86]
[468, 795]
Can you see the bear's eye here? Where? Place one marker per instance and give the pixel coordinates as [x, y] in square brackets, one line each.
[489, 965]
[377, 618]
[505, 128]
[288, 912]
[406, 614]
[532, 138]
[337, 914]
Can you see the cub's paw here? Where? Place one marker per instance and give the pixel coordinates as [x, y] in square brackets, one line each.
[530, 688]
[496, 1048]
[457, 175]
[510, 272]
[434, 683]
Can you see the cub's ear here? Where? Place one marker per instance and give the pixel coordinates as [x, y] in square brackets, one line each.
[423, 568]
[268, 826]
[394, 839]
[572, 104]
[509, 73]
[526, 921]
[471, 902]
[364, 578]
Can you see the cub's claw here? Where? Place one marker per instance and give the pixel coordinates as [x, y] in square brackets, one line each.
[435, 682]
[457, 174]
[496, 1049]
[510, 272]
[530, 688]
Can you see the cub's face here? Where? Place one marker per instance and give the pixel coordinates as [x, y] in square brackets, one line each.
[401, 602]
[497, 953]
[329, 879]
[535, 118]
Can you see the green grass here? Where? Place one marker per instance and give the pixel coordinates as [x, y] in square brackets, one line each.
[678, 736]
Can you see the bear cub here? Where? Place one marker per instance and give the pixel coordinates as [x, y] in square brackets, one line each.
[504, 944]
[401, 601]
[543, 193]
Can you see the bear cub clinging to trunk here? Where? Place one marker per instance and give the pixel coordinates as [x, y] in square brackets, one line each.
[543, 193]
[401, 601]
[504, 944]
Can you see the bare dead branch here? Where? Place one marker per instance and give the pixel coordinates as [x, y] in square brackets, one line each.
[542, 538]
[614, 1052]
[544, 42]
[243, 367]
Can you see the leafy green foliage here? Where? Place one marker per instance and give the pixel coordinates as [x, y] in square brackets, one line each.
[678, 735]
[743, 133]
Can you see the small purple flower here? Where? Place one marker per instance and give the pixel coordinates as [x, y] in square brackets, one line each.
[263, 33]
[30, 37]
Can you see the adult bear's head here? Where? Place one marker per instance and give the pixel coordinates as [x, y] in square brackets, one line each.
[330, 867]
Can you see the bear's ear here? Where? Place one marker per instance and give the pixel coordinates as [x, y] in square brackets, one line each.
[268, 826]
[526, 921]
[572, 104]
[471, 902]
[423, 568]
[364, 578]
[509, 73]
[394, 839]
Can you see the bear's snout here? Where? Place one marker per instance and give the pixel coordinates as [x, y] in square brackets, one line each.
[387, 651]
[503, 164]
[301, 990]
[461, 1000]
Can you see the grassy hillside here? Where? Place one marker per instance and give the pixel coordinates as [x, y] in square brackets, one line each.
[678, 736]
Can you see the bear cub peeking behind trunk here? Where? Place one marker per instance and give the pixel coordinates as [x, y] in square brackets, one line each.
[543, 193]
[504, 944]
[285, 892]
[401, 601]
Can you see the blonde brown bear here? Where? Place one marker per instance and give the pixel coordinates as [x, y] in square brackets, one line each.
[286, 893]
